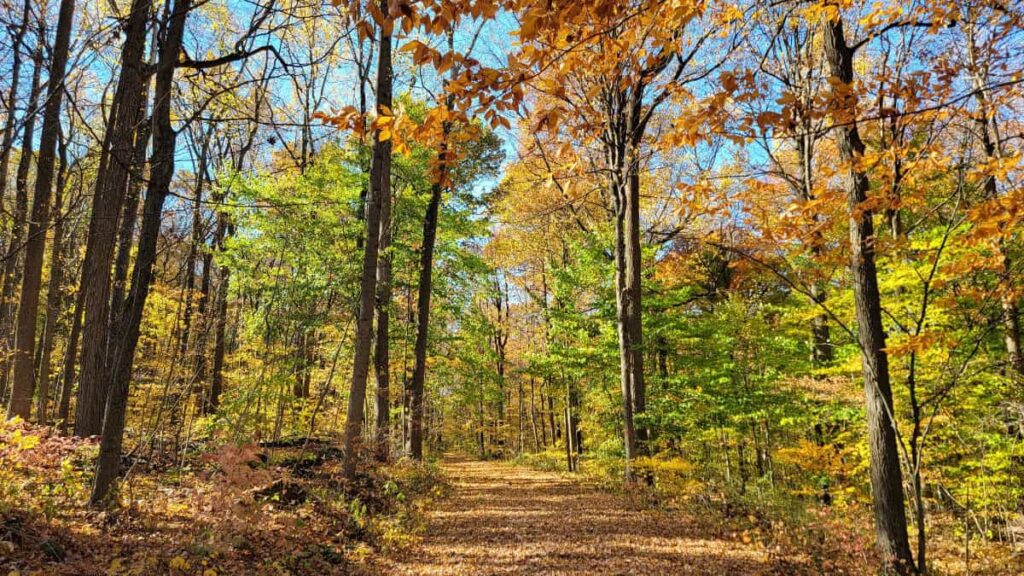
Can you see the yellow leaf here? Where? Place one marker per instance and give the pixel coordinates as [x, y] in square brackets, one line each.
[178, 563]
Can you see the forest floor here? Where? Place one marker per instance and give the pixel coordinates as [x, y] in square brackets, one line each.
[505, 519]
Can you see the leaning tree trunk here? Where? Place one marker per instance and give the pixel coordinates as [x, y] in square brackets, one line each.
[380, 181]
[130, 320]
[111, 185]
[25, 335]
[886, 475]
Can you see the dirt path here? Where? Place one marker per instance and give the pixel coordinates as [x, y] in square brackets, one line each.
[509, 520]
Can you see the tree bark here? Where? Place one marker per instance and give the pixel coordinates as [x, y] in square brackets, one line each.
[11, 272]
[7, 140]
[129, 322]
[380, 182]
[129, 214]
[67, 377]
[364, 318]
[220, 321]
[28, 309]
[54, 294]
[111, 185]
[886, 475]
[24, 384]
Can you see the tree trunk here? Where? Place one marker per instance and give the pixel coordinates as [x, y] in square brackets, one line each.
[7, 140]
[28, 310]
[54, 294]
[193, 249]
[367, 292]
[220, 320]
[67, 377]
[21, 393]
[111, 185]
[15, 244]
[130, 320]
[380, 181]
[633, 296]
[625, 345]
[533, 414]
[423, 318]
[886, 475]
[821, 345]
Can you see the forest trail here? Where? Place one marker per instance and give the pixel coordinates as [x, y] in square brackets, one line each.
[505, 519]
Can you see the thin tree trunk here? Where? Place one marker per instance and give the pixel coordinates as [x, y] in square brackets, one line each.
[821, 345]
[423, 318]
[7, 140]
[54, 294]
[28, 309]
[625, 346]
[67, 377]
[380, 181]
[886, 475]
[22, 353]
[533, 414]
[11, 270]
[193, 249]
[364, 319]
[220, 320]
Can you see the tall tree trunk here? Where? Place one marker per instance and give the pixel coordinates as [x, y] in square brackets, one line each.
[111, 185]
[54, 293]
[886, 475]
[130, 320]
[193, 249]
[367, 293]
[11, 272]
[380, 181]
[25, 384]
[28, 309]
[633, 295]
[419, 373]
[533, 414]
[625, 346]
[129, 214]
[821, 345]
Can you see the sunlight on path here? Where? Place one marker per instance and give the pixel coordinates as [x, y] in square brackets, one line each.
[504, 519]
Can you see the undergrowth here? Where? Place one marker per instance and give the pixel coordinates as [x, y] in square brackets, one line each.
[227, 509]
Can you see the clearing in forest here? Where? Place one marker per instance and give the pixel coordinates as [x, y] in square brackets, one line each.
[504, 519]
